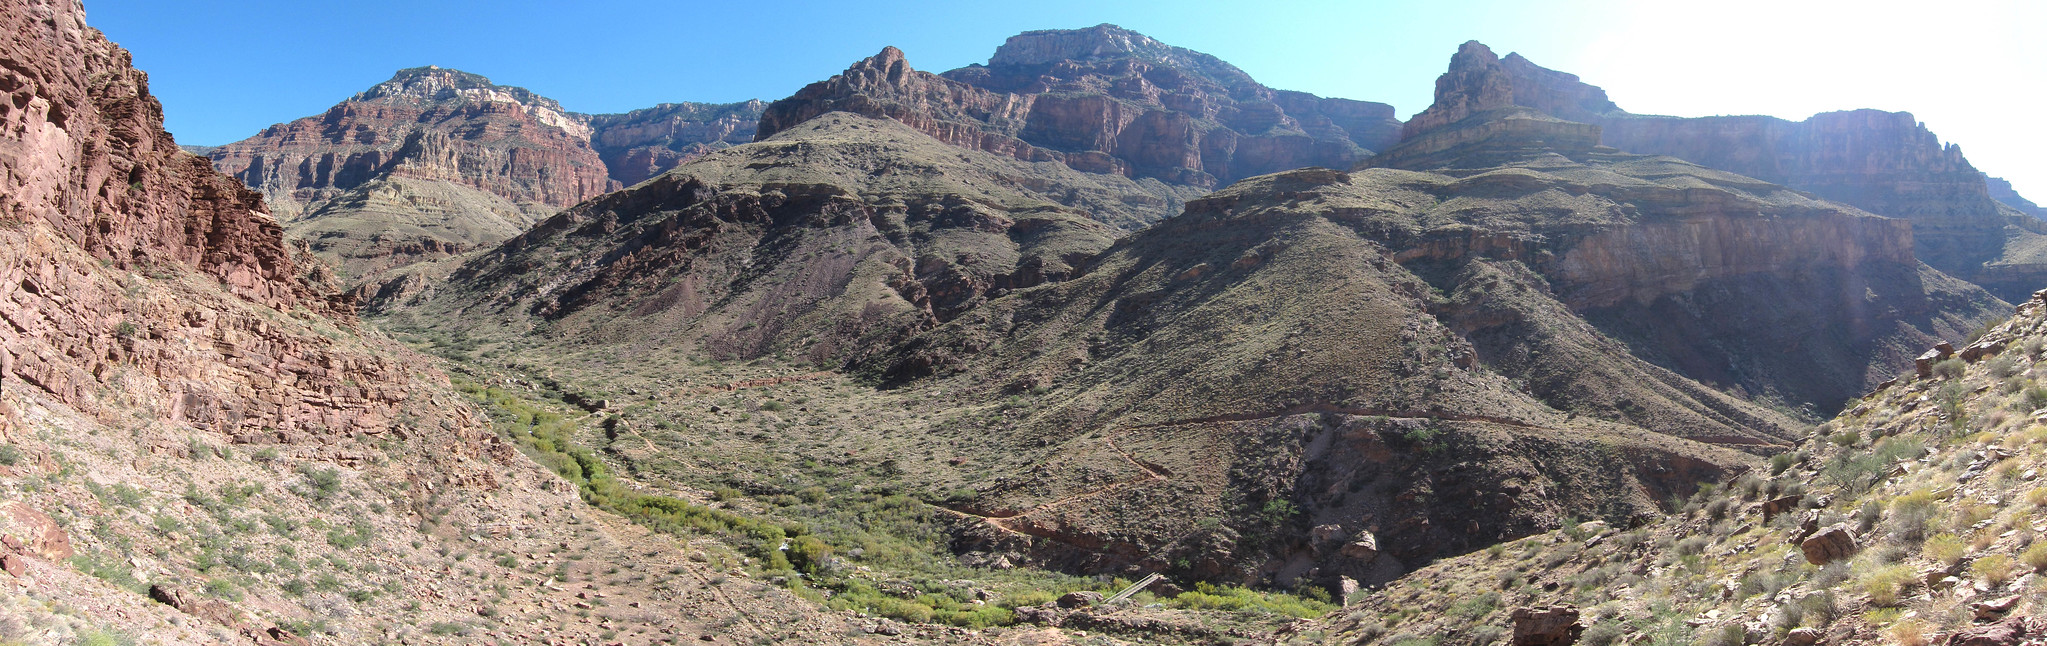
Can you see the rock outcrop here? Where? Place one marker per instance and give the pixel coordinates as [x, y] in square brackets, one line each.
[428, 164]
[899, 231]
[641, 144]
[1546, 626]
[2002, 191]
[83, 152]
[1105, 100]
[1828, 545]
[1885, 163]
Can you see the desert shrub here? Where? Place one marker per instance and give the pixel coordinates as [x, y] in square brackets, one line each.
[1907, 632]
[1910, 515]
[1994, 569]
[1475, 607]
[1968, 514]
[1887, 585]
[1950, 368]
[1781, 462]
[1945, 548]
[2036, 398]
[2035, 556]
[1604, 633]
[2001, 367]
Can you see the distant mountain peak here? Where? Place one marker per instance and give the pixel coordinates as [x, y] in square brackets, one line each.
[1107, 42]
[1480, 81]
[435, 83]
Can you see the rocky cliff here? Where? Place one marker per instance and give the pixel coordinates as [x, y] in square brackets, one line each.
[194, 439]
[1105, 100]
[643, 143]
[2001, 191]
[429, 163]
[1882, 162]
[895, 229]
[83, 153]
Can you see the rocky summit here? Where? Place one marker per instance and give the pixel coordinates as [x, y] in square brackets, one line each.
[1105, 100]
[1099, 342]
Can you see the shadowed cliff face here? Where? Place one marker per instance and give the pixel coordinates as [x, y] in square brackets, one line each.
[1106, 100]
[644, 143]
[1743, 244]
[2001, 191]
[1885, 163]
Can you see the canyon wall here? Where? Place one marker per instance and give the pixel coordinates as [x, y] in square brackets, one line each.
[638, 145]
[1106, 100]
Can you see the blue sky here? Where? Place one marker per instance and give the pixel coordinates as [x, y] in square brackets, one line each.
[1971, 69]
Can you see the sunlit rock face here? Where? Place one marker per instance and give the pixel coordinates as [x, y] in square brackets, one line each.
[1106, 100]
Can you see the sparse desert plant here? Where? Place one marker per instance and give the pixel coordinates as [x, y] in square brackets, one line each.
[1950, 368]
[1994, 569]
[1945, 548]
[2035, 556]
[1907, 632]
[1887, 585]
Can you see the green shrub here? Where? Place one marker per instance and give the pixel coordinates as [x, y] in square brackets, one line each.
[1950, 368]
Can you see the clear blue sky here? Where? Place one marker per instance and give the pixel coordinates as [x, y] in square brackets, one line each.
[1973, 70]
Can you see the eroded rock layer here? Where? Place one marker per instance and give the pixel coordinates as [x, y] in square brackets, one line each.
[644, 143]
[431, 163]
[1105, 100]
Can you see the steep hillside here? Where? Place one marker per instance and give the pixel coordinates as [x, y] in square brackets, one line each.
[643, 143]
[826, 242]
[1306, 376]
[2001, 191]
[1912, 518]
[1105, 100]
[198, 446]
[1886, 163]
[426, 165]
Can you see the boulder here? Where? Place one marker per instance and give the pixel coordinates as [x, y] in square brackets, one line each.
[1829, 545]
[1807, 526]
[1546, 626]
[208, 609]
[1924, 362]
[1363, 547]
[1772, 508]
[1081, 599]
[2013, 631]
[1802, 637]
[1994, 608]
[33, 531]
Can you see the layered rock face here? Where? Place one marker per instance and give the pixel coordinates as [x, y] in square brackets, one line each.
[1883, 162]
[1328, 342]
[431, 162]
[643, 143]
[1750, 245]
[2001, 191]
[896, 231]
[83, 152]
[1105, 100]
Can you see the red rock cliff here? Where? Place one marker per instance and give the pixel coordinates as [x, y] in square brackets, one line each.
[122, 259]
[1105, 100]
[83, 151]
[427, 123]
[643, 143]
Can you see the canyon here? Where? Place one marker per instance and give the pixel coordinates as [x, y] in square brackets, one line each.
[909, 357]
